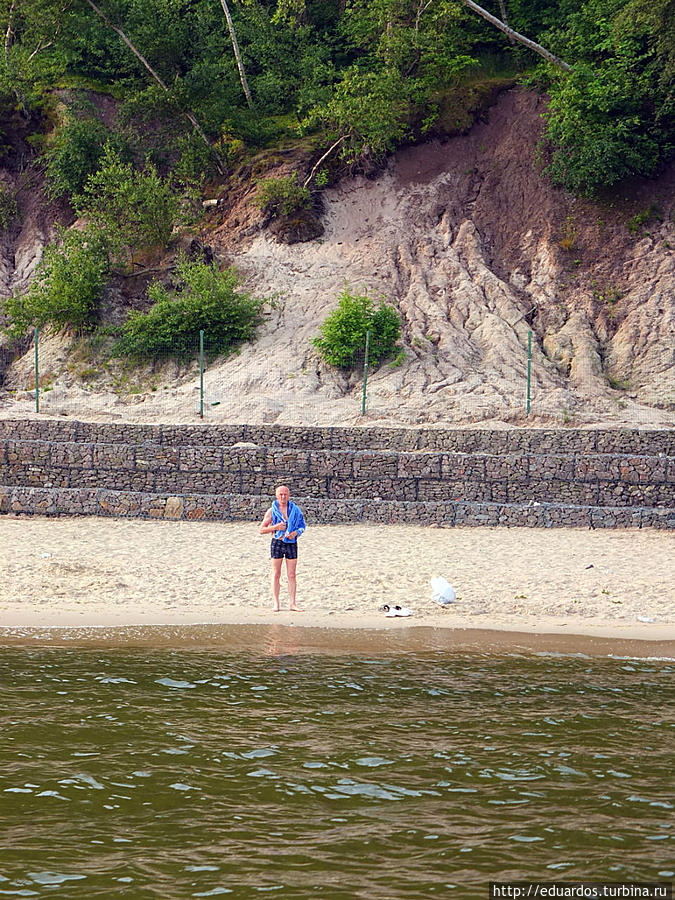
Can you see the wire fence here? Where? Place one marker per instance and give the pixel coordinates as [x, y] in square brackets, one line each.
[83, 378]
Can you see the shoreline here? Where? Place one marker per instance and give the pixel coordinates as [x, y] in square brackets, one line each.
[283, 639]
[84, 572]
[348, 621]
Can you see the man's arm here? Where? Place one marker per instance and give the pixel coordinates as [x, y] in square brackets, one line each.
[266, 527]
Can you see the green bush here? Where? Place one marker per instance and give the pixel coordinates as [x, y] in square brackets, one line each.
[140, 208]
[205, 299]
[282, 196]
[76, 153]
[8, 209]
[67, 286]
[596, 124]
[343, 333]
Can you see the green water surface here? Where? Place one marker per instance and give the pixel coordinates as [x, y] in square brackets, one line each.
[201, 773]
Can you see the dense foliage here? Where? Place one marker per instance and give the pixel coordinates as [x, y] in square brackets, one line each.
[366, 73]
[138, 208]
[360, 76]
[342, 340]
[67, 287]
[613, 115]
[203, 299]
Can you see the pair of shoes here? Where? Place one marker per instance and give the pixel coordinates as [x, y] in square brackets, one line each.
[394, 611]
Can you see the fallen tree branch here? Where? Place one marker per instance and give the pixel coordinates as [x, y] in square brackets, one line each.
[542, 51]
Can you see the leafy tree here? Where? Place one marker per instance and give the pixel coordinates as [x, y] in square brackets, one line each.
[140, 208]
[68, 284]
[612, 117]
[342, 337]
[76, 152]
[204, 298]
[369, 111]
[595, 120]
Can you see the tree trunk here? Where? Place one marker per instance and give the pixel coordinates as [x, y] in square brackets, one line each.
[502, 10]
[188, 115]
[516, 36]
[237, 54]
[318, 163]
[9, 34]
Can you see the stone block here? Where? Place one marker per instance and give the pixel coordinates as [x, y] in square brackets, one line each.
[615, 517]
[26, 452]
[283, 462]
[200, 459]
[553, 466]
[513, 515]
[596, 467]
[331, 462]
[463, 467]
[472, 514]
[642, 469]
[383, 489]
[373, 464]
[157, 458]
[640, 442]
[582, 493]
[331, 512]
[660, 518]
[76, 502]
[249, 508]
[71, 455]
[513, 467]
[421, 465]
[621, 493]
[113, 456]
[568, 516]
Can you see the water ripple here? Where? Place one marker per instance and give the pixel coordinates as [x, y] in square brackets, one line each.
[195, 773]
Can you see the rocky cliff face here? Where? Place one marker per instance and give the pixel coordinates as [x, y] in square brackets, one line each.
[475, 249]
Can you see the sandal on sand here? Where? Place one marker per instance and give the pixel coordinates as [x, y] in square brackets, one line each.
[391, 612]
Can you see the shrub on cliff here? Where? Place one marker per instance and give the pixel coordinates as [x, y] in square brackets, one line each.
[282, 196]
[76, 153]
[204, 299]
[342, 339]
[68, 284]
[140, 209]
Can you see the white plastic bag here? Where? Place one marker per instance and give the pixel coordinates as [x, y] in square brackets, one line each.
[442, 592]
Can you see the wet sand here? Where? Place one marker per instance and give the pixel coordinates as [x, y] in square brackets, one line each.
[290, 640]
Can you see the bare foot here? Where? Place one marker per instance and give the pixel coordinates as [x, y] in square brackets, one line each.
[276, 609]
[296, 609]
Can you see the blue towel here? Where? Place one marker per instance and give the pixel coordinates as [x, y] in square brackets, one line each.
[295, 521]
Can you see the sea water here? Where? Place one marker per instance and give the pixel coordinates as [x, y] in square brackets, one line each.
[198, 772]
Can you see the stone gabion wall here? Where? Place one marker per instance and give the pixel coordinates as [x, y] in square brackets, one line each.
[589, 478]
[512, 440]
[219, 507]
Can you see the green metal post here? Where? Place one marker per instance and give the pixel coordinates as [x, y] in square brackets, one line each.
[529, 368]
[365, 374]
[201, 374]
[37, 378]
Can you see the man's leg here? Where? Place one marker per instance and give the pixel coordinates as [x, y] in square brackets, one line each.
[291, 566]
[276, 576]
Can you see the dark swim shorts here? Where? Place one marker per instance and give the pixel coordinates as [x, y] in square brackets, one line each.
[281, 549]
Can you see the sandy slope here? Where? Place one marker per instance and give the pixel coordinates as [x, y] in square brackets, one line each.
[71, 571]
[465, 238]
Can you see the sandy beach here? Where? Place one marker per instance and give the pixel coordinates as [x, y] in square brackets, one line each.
[75, 572]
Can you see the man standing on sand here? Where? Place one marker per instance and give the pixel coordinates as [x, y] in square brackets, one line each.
[285, 521]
